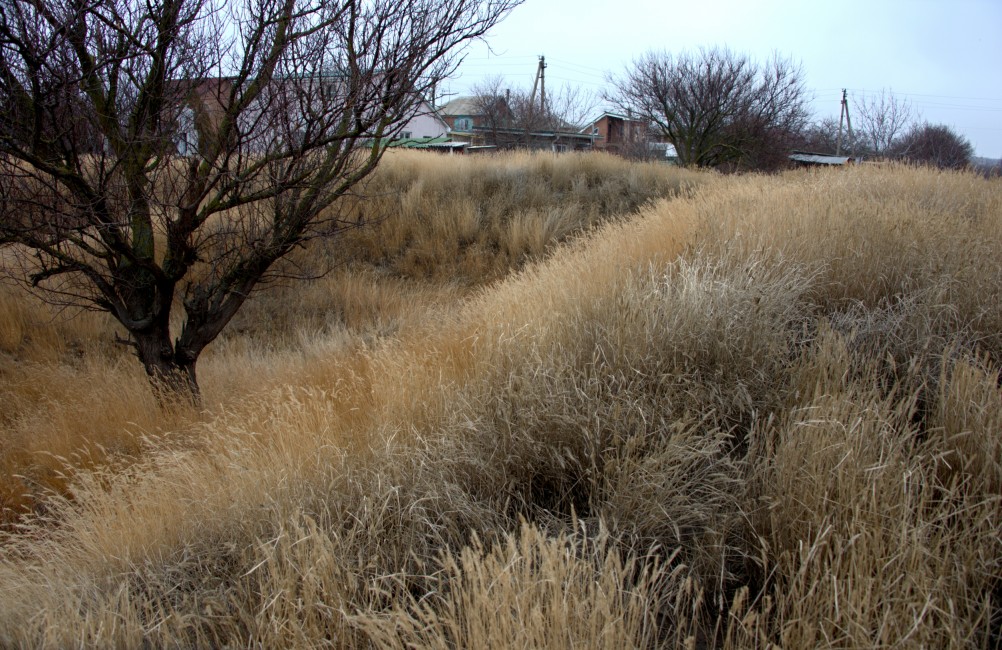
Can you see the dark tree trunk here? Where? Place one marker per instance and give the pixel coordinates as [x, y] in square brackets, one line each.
[171, 371]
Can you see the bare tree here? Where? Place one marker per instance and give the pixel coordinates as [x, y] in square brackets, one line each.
[881, 120]
[569, 107]
[492, 100]
[716, 107]
[935, 144]
[777, 114]
[528, 116]
[171, 153]
[987, 167]
[823, 137]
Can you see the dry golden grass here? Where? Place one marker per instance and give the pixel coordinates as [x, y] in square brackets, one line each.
[765, 413]
[530, 590]
[424, 208]
[472, 219]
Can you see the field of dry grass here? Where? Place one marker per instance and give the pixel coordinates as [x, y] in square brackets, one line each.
[734, 412]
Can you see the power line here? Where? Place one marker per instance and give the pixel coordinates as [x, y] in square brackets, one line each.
[584, 69]
[904, 94]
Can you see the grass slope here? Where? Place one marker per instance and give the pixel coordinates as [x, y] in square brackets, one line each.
[764, 413]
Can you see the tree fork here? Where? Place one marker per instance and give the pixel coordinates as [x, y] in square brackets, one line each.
[171, 371]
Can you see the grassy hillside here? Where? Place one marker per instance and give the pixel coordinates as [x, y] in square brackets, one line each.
[438, 228]
[765, 410]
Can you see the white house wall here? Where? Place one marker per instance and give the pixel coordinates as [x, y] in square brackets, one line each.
[424, 125]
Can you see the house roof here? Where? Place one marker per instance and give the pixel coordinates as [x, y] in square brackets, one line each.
[614, 116]
[819, 158]
[469, 105]
[617, 116]
[438, 142]
[539, 133]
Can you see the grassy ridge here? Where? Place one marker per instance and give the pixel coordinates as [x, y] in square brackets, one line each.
[766, 412]
[439, 227]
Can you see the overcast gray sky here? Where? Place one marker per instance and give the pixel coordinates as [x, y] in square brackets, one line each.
[943, 56]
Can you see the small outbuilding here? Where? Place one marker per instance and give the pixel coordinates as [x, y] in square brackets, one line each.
[808, 159]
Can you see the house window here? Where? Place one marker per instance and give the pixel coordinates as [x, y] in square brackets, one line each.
[406, 135]
[186, 138]
[464, 124]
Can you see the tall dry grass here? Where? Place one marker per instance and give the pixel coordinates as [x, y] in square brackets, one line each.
[762, 414]
[472, 219]
[438, 226]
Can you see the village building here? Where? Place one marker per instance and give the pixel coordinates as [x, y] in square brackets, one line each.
[464, 114]
[618, 134]
[808, 159]
[205, 102]
[490, 124]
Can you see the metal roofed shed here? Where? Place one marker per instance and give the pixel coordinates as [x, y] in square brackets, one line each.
[442, 143]
[822, 159]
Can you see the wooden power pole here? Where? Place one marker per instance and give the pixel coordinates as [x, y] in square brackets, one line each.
[542, 84]
[844, 115]
[539, 82]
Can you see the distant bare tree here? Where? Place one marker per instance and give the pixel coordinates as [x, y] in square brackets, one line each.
[171, 153]
[570, 107]
[492, 98]
[992, 169]
[716, 107]
[820, 137]
[881, 120]
[520, 112]
[987, 167]
[566, 109]
[823, 137]
[935, 144]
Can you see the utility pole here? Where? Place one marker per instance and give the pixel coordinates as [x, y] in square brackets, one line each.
[844, 114]
[848, 122]
[542, 83]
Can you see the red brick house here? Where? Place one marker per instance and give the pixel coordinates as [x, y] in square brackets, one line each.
[618, 133]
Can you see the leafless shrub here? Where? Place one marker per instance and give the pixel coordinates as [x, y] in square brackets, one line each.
[716, 107]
